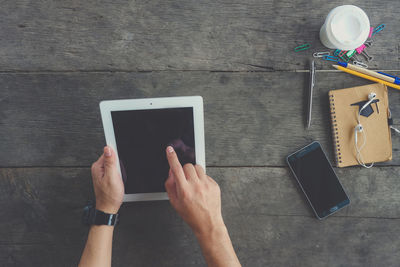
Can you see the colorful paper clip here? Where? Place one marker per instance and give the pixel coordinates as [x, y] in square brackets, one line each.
[302, 47]
[344, 58]
[331, 58]
[336, 53]
[378, 29]
[350, 53]
[371, 30]
[343, 52]
[321, 54]
[360, 64]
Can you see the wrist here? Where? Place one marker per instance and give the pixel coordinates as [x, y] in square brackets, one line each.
[213, 230]
[217, 247]
[95, 227]
[110, 209]
[213, 241]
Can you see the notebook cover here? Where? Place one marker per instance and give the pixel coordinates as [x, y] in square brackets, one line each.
[378, 145]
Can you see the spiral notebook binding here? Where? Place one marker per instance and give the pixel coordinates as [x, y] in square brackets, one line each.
[335, 133]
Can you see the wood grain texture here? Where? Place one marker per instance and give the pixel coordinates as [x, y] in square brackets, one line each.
[59, 59]
[251, 119]
[177, 35]
[269, 221]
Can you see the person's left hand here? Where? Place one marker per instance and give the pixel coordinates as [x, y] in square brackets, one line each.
[107, 182]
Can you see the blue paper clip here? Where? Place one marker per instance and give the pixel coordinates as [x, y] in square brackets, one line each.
[331, 58]
[378, 29]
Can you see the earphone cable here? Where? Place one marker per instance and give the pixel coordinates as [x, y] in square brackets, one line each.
[359, 149]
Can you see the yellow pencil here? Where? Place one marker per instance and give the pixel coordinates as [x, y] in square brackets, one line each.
[356, 73]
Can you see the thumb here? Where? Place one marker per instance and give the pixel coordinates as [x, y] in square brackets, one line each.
[109, 160]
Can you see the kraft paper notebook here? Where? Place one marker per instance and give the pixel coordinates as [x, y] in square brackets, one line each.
[345, 104]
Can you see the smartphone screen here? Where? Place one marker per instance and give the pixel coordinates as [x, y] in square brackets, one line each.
[318, 180]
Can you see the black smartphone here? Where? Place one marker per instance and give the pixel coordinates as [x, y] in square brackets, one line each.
[318, 180]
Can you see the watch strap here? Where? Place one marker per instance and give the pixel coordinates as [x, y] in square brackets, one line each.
[102, 218]
[92, 216]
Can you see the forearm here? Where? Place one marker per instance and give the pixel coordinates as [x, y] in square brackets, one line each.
[98, 247]
[217, 248]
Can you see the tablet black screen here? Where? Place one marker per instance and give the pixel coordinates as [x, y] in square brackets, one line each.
[142, 137]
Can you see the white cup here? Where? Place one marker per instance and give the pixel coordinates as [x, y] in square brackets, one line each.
[345, 28]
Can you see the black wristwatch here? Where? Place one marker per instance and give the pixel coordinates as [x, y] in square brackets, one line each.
[97, 217]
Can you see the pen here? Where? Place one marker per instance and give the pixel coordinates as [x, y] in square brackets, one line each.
[379, 75]
[365, 76]
[310, 92]
[396, 79]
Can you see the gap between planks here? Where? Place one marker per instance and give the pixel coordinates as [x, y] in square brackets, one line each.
[208, 166]
[5, 72]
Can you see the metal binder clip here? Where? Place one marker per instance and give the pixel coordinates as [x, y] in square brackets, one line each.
[369, 43]
[355, 56]
[378, 29]
[321, 54]
[361, 48]
[360, 64]
[302, 47]
[331, 58]
[365, 54]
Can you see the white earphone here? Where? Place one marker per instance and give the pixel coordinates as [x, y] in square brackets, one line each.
[371, 97]
[359, 129]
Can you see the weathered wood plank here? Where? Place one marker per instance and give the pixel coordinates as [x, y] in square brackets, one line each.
[176, 35]
[273, 191]
[268, 219]
[251, 119]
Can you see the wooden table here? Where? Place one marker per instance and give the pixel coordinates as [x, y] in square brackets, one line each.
[58, 59]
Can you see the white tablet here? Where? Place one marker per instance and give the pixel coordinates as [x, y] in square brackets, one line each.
[139, 130]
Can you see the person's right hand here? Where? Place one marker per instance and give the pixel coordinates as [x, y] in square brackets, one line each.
[194, 195]
[197, 199]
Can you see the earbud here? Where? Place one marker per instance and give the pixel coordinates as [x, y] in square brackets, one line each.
[359, 128]
[371, 97]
